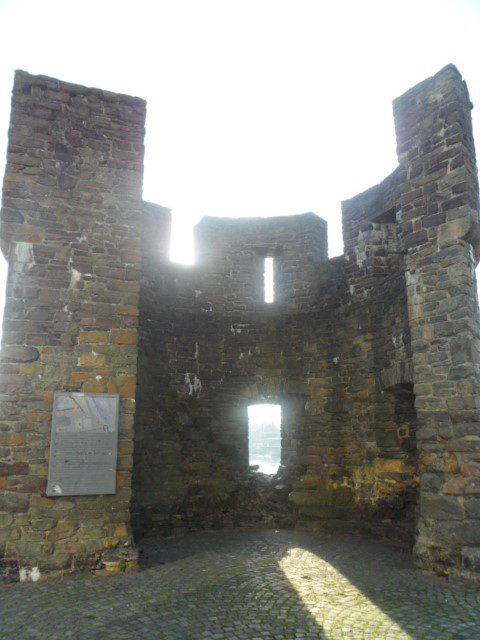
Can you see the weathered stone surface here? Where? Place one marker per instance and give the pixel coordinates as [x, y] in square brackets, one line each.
[441, 507]
[471, 559]
[442, 307]
[12, 353]
[374, 356]
[80, 212]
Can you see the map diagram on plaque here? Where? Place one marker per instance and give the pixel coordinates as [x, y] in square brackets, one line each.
[76, 412]
[83, 447]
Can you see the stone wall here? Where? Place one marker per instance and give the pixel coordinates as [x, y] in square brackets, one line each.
[210, 346]
[439, 215]
[359, 448]
[70, 230]
[411, 243]
[338, 364]
[374, 355]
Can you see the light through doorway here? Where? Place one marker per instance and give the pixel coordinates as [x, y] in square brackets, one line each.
[264, 437]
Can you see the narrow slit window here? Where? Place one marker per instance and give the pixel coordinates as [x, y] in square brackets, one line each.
[264, 437]
[268, 279]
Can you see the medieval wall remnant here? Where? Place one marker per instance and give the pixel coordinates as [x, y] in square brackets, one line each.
[373, 355]
[438, 189]
[70, 230]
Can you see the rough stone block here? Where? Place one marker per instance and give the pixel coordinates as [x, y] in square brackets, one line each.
[441, 507]
[13, 353]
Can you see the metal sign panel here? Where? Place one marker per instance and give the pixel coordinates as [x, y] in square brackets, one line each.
[83, 445]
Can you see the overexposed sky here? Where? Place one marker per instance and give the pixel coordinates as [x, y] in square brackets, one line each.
[255, 107]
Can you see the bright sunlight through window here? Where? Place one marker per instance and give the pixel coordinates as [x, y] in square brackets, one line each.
[264, 437]
[268, 280]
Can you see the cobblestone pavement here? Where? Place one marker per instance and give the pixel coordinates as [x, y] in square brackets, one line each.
[257, 584]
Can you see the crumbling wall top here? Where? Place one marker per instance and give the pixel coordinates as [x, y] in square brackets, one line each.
[215, 237]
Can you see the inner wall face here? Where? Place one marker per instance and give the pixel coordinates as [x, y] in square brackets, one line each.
[210, 346]
[264, 437]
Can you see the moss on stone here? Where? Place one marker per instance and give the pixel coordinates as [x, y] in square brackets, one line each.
[311, 491]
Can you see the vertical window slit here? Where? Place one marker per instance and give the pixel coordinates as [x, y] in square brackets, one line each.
[268, 279]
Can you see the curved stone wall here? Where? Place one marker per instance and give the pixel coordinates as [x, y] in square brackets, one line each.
[373, 355]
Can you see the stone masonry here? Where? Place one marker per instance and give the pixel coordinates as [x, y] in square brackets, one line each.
[373, 356]
[71, 224]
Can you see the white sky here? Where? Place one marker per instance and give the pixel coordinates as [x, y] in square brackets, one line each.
[260, 414]
[255, 107]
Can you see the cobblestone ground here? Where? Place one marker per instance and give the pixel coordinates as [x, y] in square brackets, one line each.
[237, 585]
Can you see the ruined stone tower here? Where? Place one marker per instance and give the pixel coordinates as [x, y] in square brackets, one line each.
[373, 356]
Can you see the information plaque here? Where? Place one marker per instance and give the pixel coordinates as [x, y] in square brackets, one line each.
[83, 446]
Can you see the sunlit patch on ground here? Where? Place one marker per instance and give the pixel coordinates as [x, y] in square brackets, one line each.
[333, 601]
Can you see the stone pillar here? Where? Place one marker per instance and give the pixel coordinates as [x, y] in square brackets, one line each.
[439, 217]
[70, 230]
